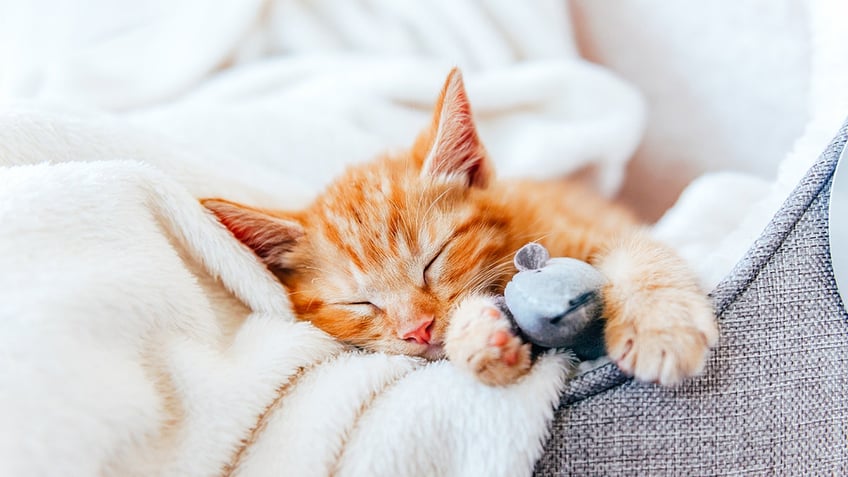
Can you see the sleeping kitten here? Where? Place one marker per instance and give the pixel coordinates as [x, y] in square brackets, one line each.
[401, 255]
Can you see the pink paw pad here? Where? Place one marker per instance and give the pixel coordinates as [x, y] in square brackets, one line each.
[510, 357]
[499, 338]
[492, 313]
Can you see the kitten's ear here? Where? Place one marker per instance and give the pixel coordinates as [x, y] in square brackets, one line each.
[453, 148]
[271, 238]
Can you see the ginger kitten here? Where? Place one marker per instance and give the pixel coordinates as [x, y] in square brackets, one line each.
[401, 255]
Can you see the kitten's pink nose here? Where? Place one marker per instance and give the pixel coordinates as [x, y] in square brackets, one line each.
[420, 332]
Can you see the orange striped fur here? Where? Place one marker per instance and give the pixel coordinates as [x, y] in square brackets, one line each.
[410, 236]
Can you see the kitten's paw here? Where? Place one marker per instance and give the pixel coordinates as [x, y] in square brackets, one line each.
[664, 340]
[480, 339]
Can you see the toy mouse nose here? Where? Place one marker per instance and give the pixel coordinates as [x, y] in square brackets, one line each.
[420, 331]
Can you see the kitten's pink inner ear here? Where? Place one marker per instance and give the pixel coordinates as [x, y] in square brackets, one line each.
[271, 238]
[456, 151]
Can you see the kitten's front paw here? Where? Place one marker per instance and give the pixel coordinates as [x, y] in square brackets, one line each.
[665, 339]
[480, 339]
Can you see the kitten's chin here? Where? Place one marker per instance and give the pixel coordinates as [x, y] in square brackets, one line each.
[433, 352]
[430, 352]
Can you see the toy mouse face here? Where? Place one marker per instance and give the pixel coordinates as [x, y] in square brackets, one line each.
[553, 300]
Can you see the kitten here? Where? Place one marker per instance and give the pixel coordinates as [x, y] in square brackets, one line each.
[401, 255]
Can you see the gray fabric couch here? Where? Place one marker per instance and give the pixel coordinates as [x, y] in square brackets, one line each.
[774, 397]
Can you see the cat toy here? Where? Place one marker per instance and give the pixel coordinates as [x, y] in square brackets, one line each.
[556, 302]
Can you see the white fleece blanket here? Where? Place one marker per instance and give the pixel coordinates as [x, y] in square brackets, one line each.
[138, 338]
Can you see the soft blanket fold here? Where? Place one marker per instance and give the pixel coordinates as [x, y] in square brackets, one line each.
[123, 352]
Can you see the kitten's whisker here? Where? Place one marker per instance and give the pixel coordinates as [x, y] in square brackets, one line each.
[317, 269]
[495, 273]
[292, 293]
[532, 237]
[435, 201]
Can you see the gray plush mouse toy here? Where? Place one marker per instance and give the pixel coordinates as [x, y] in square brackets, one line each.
[556, 302]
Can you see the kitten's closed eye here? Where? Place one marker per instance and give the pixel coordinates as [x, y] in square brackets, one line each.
[429, 266]
[363, 307]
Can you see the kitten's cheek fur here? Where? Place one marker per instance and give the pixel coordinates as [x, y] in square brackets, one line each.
[434, 352]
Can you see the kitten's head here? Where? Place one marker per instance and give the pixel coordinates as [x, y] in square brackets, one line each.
[383, 255]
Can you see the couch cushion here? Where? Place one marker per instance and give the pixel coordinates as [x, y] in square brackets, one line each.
[774, 397]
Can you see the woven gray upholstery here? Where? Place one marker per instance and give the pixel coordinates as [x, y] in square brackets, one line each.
[774, 397]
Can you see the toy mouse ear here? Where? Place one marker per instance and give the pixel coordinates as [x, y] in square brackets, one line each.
[531, 257]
